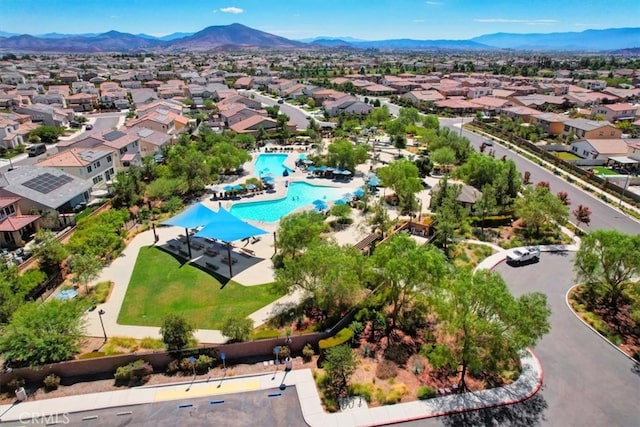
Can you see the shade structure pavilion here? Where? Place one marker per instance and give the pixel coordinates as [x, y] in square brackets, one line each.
[228, 228]
[196, 215]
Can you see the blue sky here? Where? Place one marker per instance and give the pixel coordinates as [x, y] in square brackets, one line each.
[296, 19]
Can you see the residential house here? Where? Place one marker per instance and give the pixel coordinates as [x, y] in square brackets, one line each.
[590, 129]
[231, 114]
[114, 96]
[379, 90]
[346, 105]
[160, 105]
[598, 151]
[125, 146]
[82, 102]
[143, 96]
[240, 99]
[15, 228]
[93, 165]
[243, 83]
[12, 78]
[44, 189]
[150, 141]
[418, 97]
[479, 91]
[593, 84]
[616, 112]
[161, 120]
[523, 113]
[551, 123]
[13, 130]
[46, 114]
[468, 195]
[253, 124]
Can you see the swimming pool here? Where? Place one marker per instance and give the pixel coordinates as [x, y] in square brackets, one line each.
[271, 163]
[300, 194]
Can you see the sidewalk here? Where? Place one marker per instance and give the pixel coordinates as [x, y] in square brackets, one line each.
[526, 386]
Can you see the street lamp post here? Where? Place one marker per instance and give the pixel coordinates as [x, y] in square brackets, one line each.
[276, 350]
[100, 313]
[224, 364]
[624, 189]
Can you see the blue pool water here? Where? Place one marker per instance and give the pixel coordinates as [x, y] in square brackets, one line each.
[271, 163]
[300, 194]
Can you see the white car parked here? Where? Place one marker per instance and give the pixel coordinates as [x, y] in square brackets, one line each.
[523, 255]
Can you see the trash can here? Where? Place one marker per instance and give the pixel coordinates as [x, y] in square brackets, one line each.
[287, 364]
[21, 394]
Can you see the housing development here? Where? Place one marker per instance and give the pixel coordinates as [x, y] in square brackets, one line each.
[262, 231]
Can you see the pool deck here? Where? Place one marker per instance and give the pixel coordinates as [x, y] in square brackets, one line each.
[248, 270]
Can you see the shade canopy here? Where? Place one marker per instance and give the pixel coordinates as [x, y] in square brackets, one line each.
[250, 186]
[340, 202]
[359, 192]
[228, 228]
[194, 216]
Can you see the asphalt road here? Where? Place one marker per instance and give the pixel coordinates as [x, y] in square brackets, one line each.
[234, 410]
[587, 382]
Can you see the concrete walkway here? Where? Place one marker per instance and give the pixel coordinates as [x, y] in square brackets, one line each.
[526, 386]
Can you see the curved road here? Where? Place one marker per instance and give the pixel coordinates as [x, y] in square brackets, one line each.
[296, 115]
[587, 382]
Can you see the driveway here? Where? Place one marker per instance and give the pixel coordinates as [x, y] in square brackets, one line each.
[296, 115]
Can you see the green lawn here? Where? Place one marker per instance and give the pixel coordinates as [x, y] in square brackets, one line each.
[565, 155]
[160, 285]
[600, 170]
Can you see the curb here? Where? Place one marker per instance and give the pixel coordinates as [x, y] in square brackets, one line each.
[529, 395]
[566, 300]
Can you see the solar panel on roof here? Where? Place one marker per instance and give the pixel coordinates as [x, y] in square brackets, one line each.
[46, 182]
[112, 136]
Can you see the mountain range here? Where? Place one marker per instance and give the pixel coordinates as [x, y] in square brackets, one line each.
[238, 36]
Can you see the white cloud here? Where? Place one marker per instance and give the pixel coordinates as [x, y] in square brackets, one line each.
[231, 9]
[418, 20]
[516, 21]
[433, 3]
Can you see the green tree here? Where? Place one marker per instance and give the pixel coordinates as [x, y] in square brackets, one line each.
[486, 205]
[176, 332]
[484, 326]
[127, 189]
[406, 271]
[47, 134]
[330, 273]
[378, 115]
[409, 114]
[402, 177]
[297, 231]
[342, 213]
[344, 155]
[445, 157]
[85, 268]
[539, 207]
[237, 329]
[380, 220]
[450, 215]
[339, 365]
[431, 122]
[48, 251]
[191, 165]
[608, 263]
[40, 334]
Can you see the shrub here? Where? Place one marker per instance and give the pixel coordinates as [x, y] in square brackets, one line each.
[151, 343]
[343, 336]
[16, 383]
[91, 355]
[357, 328]
[308, 353]
[362, 315]
[134, 373]
[283, 351]
[237, 328]
[426, 392]
[173, 367]
[396, 394]
[386, 369]
[367, 351]
[100, 292]
[397, 353]
[203, 363]
[51, 382]
[363, 390]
